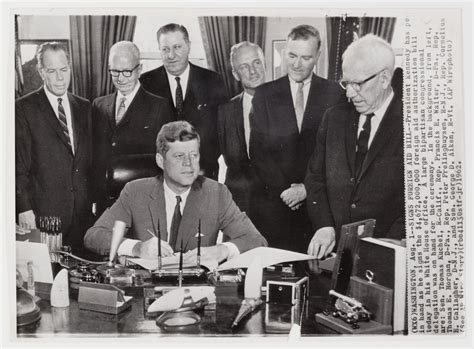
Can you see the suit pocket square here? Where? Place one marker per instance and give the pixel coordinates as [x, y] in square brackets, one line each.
[201, 106]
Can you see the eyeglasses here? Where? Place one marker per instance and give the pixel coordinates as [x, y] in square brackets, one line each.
[357, 86]
[125, 73]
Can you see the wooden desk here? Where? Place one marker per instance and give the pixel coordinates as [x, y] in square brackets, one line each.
[71, 321]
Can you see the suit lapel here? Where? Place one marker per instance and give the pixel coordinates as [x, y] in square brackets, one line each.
[50, 116]
[76, 124]
[350, 136]
[283, 101]
[238, 120]
[158, 209]
[134, 108]
[110, 110]
[383, 134]
[308, 116]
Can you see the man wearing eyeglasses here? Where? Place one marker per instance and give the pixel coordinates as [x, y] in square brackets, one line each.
[286, 116]
[356, 170]
[127, 121]
[193, 92]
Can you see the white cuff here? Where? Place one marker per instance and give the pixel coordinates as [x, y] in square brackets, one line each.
[233, 250]
[126, 247]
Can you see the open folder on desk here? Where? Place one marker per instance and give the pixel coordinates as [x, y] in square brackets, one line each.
[268, 256]
[172, 262]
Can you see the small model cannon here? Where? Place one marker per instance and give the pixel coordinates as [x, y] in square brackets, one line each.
[349, 309]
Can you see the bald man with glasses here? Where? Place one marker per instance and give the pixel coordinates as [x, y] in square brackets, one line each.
[356, 171]
[127, 121]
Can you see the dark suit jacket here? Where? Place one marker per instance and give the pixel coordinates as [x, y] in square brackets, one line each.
[141, 206]
[240, 177]
[279, 154]
[335, 196]
[50, 179]
[205, 91]
[135, 133]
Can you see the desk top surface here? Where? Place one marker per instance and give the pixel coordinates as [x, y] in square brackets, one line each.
[270, 319]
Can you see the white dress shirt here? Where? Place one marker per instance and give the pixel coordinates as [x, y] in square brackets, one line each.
[247, 107]
[53, 100]
[294, 89]
[376, 119]
[184, 78]
[126, 247]
[128, 98]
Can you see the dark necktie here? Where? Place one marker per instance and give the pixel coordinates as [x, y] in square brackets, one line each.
[179, 99]
[63, 121]
[363, 143]
[175, 223]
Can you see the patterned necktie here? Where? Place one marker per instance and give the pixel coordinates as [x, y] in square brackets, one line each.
[299, 105]
[121, 110]
[63, 121]
[175, 223]
[363, 142]
[179, 99]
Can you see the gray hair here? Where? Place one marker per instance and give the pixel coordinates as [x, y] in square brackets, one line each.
[371, 49]
[234, 49]
[50, 46]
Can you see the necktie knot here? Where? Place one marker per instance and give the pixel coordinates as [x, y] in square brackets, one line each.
[178, 200]
[60, 101]
[178, 79]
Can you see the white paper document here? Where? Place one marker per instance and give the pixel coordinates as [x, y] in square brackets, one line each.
[268, 256]
[37, 253]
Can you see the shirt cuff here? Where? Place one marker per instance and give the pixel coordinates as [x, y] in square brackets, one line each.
[233, 250]
[126, 247]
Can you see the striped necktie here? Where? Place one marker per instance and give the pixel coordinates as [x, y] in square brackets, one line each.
[63, 120]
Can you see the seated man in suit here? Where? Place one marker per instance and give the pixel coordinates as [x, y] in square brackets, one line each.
[233, 123]
[127, 121]
[194, 92]
[175, 204]
[356, 171]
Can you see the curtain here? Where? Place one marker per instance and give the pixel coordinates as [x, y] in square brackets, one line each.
[342, 31]
[91, 39]
[18, 67]
[220, 34]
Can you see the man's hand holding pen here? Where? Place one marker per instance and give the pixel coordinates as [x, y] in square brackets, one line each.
[149, 249]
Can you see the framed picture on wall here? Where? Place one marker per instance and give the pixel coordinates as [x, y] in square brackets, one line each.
[278, 54]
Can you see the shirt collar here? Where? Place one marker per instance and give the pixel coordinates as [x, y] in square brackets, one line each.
[53, 99]
[184, 77]
[130, 96]
[305, 81]
[171, 194]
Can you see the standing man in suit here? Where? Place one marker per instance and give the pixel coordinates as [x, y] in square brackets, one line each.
[356, 171]
[233, 123]
[53, 150]
[174, 205]
[194, 92]
[127, 121]
[287, 114]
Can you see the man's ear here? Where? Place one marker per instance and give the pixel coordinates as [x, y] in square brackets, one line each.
[386, 79]
[159, 160]
[236, 76]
